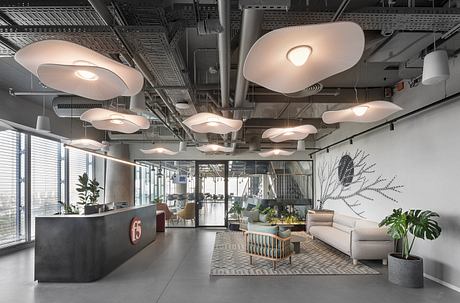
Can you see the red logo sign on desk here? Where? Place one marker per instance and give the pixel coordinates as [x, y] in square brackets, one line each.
[135, 230]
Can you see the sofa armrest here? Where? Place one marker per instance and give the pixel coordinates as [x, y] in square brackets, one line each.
[319, 219]
[370, 234]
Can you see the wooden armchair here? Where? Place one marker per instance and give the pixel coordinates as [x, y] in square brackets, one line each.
[267, 246]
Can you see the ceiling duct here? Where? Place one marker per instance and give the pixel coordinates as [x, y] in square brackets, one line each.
[209, 27]
[224, 54]
[251, 24]
[72, 106]
[309, 91]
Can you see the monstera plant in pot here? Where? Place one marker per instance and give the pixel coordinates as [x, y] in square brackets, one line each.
[404, 268]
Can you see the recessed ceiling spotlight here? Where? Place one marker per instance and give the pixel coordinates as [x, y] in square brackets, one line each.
[211, 123]
[75, 69]
[287, 60]
[364, 113]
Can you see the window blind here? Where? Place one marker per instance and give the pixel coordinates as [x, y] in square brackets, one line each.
[45, 178]
[78, 165]
[11, 193]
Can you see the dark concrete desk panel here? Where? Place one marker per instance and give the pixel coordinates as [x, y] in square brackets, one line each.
[77, 248]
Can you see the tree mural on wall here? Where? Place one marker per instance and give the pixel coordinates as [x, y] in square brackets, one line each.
[349, 178]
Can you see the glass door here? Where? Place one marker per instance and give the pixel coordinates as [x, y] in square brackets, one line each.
[211, 193]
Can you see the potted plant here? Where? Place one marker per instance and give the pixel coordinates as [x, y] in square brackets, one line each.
[88, 192]
[404, 268]
[236, 209]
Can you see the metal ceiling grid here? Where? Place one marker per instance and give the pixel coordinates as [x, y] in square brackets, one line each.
[53, 15]
[98, 38]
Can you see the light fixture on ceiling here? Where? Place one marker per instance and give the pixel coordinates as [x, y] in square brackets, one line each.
[105, 119]
[182, 146]
[103, 156]
[366, 112]
[360, 110]
[182, 105]
[299, 55]
[214, 148]
[86, 143]
[137, 103]
[276, 152]
[75, 69]
[287, 60]
[301, 145]
[435, 67]
[436, 63]
[290, 133]
[43, 122]
[211, 123]
[159, 150]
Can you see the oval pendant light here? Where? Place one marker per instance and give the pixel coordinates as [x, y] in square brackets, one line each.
[214, 148]
[78, 70]
[159, 150]
[276, 152]
[289, 133]
[86, 143]
[105, 119]
[211, 123]
[364, 112]
[287, 60]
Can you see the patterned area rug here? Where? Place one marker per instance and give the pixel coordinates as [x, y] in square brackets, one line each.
[315, 258]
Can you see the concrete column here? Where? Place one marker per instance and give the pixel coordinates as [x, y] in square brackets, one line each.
[120, 177]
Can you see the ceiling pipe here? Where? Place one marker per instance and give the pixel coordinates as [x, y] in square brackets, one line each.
[223, 43]
[251, 23]
[106, 15]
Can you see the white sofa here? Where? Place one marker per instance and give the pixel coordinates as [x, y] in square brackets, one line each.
[360, 239]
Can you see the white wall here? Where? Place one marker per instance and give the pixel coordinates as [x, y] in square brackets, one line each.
[423, 153]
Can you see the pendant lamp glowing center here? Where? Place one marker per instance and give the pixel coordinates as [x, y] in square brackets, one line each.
[212, 122]
[86, 75]
[299, 55]
[360, 110]
[116, 119]
[276, 152]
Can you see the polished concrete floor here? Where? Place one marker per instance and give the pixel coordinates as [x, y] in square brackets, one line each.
[175, 269]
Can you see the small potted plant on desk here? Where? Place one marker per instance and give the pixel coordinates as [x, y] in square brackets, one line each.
[403, 268]
[88, 192]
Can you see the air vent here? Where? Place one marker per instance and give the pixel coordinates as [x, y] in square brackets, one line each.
[73, 107]
[309, 91]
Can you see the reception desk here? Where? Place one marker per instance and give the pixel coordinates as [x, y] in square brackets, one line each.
[75, 248]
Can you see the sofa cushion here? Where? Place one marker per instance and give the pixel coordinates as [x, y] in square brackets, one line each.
[332, 236]
[263, 218]
[284, 233]
[342, 227]
[252, 215]
[346, 221]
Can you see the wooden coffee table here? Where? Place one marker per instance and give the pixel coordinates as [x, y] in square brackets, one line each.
[296, 239]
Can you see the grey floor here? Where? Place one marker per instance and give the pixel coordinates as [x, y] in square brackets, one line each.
[175, 268]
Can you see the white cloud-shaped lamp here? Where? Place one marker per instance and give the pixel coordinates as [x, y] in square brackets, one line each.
[214, 148]
[289, 133]
[288, 60]
[276, 152]
[159, 150]
[211, 123]
[78, 70]
[86, 143]
[364, 112]
[105, 119]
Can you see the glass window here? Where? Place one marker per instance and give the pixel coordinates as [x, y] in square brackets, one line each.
[11, 188]
[79, 163]
[143, 185]
[45, 170]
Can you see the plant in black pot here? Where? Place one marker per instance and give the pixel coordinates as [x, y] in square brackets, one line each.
[404, 268]
[88, 192]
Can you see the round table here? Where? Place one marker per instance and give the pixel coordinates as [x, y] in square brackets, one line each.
[296, 239]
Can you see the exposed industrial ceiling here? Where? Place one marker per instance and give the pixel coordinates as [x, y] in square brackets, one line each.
[181, 64]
